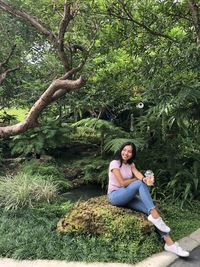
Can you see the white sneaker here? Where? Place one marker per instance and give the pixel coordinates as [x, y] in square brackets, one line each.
[176, 249]
[158, 222]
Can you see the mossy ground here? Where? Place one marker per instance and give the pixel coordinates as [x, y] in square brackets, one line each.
[96, 216]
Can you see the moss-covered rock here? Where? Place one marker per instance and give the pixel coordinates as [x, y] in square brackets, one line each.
[97, 216]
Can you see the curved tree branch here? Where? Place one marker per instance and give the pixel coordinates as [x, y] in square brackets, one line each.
[63, 26]
[4, 74]
[69, 74]
[46, 98]
[73, 71]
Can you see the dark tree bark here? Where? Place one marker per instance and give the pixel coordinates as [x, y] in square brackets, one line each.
[194, 8]
[3, 73]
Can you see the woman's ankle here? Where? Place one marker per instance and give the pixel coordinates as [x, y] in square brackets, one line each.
[168, 240]
[154, 213]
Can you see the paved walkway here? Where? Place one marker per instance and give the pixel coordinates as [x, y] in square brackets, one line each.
[163, 259]
[192, 261]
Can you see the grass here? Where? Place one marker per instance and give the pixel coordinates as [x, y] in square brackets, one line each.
[182, 221]
[20, 113]
[31, 234]
[23, 190]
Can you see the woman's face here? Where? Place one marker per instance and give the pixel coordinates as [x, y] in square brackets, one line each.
[127, 153]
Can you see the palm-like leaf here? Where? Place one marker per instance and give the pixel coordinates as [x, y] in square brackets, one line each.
[99, 126]
[114, 144]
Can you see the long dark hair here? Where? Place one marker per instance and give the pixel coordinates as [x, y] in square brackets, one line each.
[118, 155]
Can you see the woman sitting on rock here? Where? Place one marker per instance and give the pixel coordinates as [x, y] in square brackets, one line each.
[129, 188]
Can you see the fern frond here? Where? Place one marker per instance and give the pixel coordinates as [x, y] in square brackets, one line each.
[114, 144]
[99, 125]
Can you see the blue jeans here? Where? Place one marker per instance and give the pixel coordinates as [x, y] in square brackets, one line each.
[135, 196]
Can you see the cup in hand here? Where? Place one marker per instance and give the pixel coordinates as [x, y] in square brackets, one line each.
[149, 177]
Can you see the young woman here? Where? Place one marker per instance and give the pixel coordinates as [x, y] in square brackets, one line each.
[128, 187]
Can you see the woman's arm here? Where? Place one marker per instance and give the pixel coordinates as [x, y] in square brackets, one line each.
[121, 181]
[137, 173]
[147, 180]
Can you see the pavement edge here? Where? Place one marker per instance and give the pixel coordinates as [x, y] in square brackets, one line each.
[164, 258]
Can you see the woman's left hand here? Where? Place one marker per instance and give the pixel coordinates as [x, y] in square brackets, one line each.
[149, 180]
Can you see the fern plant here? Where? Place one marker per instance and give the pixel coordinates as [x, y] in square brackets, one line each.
[109, 135]
[38, 140]
[96, 172]
[185, 184]
[114, 144]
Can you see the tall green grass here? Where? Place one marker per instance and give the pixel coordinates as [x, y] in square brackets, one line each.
[47, 171]
[22, 190]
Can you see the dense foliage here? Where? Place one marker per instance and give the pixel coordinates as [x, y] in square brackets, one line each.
[140, 53]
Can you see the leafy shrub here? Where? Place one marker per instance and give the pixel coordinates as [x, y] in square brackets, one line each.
[96, 171]
[39, 140]
[23, 190]
[109, 135]
[185, 184]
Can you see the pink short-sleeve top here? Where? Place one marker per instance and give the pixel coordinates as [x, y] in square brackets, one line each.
[126, 172]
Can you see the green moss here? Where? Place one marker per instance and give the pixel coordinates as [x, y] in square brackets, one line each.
[97, 216]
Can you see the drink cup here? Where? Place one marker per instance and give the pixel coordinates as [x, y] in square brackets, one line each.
[149, 177]
[149, 173]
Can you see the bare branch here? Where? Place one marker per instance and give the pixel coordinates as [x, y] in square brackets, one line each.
[70, 73]
[61, 92]
[46, 98]
[8, 58]
[63, 26]
[195, 18]
[4, 74]
[34, 22]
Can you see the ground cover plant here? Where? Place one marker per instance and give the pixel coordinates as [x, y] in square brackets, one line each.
[46, 170]
[23, 190]
[31, 234]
